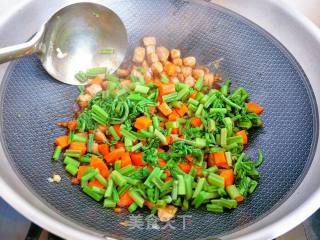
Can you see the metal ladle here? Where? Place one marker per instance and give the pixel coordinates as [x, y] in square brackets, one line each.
[77, 37]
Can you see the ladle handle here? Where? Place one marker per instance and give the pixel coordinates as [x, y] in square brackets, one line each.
[21, 50]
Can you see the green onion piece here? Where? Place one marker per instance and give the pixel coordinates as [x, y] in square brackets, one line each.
[233, 192]
[118, 178]
[199, 84]
[81, 77]
[161, 137]
[181, 185]
[199, 187]
[216, 180]
[133, 207]
[117, 165]
[92, 194]
[136, 197]
[141, 89]
[170, 97]
[127, 170]
[229, 158]
[214, 208]
[72, 169]
[78, 138]
[90, 142]
[93, 72]
[108, 192]
[106, 51]
[223, 138]
[114, 134]
[56, 153]
[68, 160]
[174, 194]
[108, 203]
[225, 87]
[188, 179]
[226, 203]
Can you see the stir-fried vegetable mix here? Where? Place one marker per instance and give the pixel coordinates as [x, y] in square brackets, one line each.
[162, 135]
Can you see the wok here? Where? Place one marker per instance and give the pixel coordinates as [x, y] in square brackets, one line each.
[271, 51]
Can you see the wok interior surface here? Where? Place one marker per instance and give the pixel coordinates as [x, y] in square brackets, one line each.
[32, 102]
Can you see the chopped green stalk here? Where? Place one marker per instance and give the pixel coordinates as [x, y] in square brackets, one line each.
[146, 134]
[177, 104]
[178, 202]
[155, 122]
[193, 171]
[141, 89]
[229, 158]
[216, 180]
[90, 142]
[78, 138]
[133, 207]
[112, 78]
[229, 102]
[98, 111]
[108, 203]
[192, 108]
[183, 93]
[98, 190]
[136, 197]
[68, 160]
[253, 186]
[101, 179]
[56, 153]
[115, 195]
[231, 146]
[72, 169]
[218, 139]
[214, 208]
[170, 97]
[132, 181]
[106, 51]
[235, 139]
[156, 172]
[88, 175]
[185, 205]
[226, 203]
[81, 77]
[123, 189]
[199, 84]
[229, 125]
[208, 100]
[117, 165]
[199, 110]
[118, 178]
[193, 102]
[204, 99]
[223, 138]
[72, 153]
[211, 125]
[161, 203]
[150, 194]
[156, 194]
[136, 147]
[188, 179]
[114, 134]
[91, 193]
[200, 143]
[164, 79]
[158, 182]
[199, 96]
[172, 125]
[225, 87]
[174, 193]
[127, 170]
[233, 192]
[128, 134]
[85, 159]
[199, 187]
[161, 137]
[260, 158]
[218, 110]
[93, 72]
[245, 124]
[108, 192]
[181, 185]
[167, 199]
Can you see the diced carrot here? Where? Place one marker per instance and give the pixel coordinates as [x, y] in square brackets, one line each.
[81, 171]
[136, 159]
[152, 110]
[170, 69]
[169, 140]
[103, 149]
[182, 110]
[119, 145]
[117, 210]
[125, 159]
[199, 170]
[72, 125]
[79, 146]
[161, 162]
[193, 95]
[117, 129]
[157, 82]
[149, 204]
[142, 122]
[244, 136]
[161, 124]
[239, 199]
[228, 176]
[165, 109]
[220, 159]
[167, 171]
[189, 158]
[173, 116]
[160, 150]
[251, 106]
[182, 137]
[175, 131]
[83, 134]
[62, 141]
[114, 155]
[167, 179]
[95, 183]
[97, 80]
[165, 89]
[98, 163]
[95, 148]
[196, 122]
[211, 161]
[125, 200]
[186, 167]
